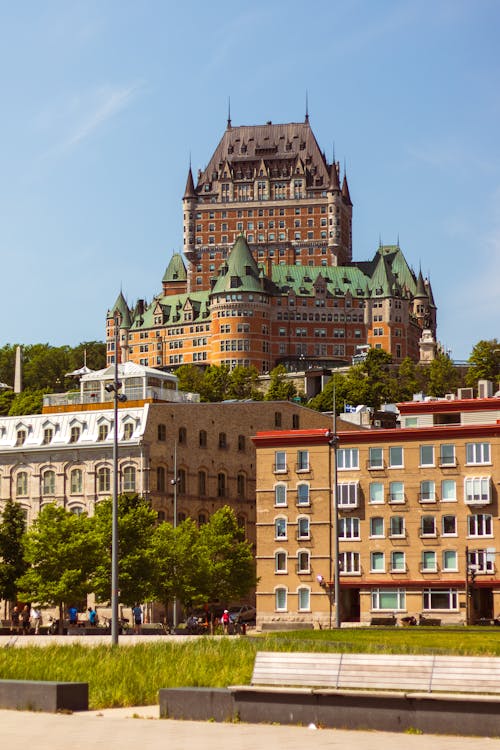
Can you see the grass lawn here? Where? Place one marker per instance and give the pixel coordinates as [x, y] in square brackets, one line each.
[132, 675]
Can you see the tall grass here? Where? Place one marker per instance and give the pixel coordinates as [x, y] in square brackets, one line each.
[132, 675]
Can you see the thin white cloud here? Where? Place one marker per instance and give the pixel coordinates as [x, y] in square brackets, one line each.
[112, 103]
[451, 153]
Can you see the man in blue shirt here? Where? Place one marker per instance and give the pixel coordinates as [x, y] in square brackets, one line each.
[73, 615]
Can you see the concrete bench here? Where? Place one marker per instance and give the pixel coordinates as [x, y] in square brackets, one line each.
[31, 695]
[383, 621]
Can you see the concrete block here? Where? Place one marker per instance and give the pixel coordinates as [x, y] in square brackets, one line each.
[197, 704]
[30, 695]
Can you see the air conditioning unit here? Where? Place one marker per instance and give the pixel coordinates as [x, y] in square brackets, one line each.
[377, 423]
[466, 393]
[484, 389]
[450, 396]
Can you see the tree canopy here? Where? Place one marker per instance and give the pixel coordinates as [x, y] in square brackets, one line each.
[484, 363]
[13, 565]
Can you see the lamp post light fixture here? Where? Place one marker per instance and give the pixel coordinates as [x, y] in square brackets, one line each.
[114, 387]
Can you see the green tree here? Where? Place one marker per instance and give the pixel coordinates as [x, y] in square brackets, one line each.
[7, 363]
[27, 402]
[280, 388]
[61, 552]
[216, 383]
[443, 376]
[226, 558]
[484, 362]
[13, 565]
[190, 378]
[6, 399]
[368, 382]
[408, 381]
[177, 563]
[93, 353]
[244, 384]
[45, 367]
[324, 400]
[136, 522]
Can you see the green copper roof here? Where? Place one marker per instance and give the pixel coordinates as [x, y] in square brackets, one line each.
[174, 309]
[121, 307]
[176, 270]
[240, 272]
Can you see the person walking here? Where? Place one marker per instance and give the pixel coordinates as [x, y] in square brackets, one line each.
[26, 620]
[225, 619]
[14, 620]
[36, 617]
[137, 615]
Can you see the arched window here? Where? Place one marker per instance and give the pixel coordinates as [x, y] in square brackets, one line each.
[280, 528]
[304, 597]
[104, 479]
[280, 495]
[77, 510]
[76, 482]
[303, 494]
[221, 484]
[22, 484]
[49, 482]
[303, 528]
[280, 599]
[303, 561]
[160, 479]
[129, 474]
[280, 561]
[202, 519]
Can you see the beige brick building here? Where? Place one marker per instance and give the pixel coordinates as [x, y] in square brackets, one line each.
[417, 518]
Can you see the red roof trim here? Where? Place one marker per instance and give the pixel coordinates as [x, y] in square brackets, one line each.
[292, 437]
[443, 405]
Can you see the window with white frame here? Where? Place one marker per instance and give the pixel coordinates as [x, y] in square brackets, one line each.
[477, 453]
[303, 494]
[477, 490]
[398, 561]
[280, 528]
[377, 562]
[302, 460]
[376, 492]
[347, 458]
[443, 599]
[426, 455]
[396, 492]
[375, 458]
[448, 491]
[396, 457]
[280, 565]
[280, 461]
[429, 561]
[349, 528]
[103, 431]
[397, 526]
[349, 563]
[303, 528]
[347, 494]
[280, 599]
[129, 476]
[128, 430]
[447, 454]
[428, 526]
[480, 524]
[280, 495]
[427, 491]
[449, 525]
[450, 560]
[388, 600]
[303, 561]
[22, 484]
[76, 482]
[377, 526]
[304, 599]
[482, 560]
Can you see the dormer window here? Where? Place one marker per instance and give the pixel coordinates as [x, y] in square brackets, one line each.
[21, 437]
[128, 430]
[75, 434]
[48, 435]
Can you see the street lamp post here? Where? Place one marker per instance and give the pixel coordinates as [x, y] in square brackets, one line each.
[174, 482]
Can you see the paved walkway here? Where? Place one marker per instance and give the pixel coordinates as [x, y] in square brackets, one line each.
[140, 727]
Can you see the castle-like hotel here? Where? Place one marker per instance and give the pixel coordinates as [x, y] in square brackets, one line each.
[267, 275]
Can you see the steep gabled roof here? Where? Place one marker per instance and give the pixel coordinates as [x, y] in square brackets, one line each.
[240, 272]
[121, 307]
[176, 270]
[189, 192]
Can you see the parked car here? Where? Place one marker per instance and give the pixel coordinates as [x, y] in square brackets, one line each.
[246, 613]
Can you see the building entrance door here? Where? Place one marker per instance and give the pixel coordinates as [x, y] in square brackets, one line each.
[350, 605]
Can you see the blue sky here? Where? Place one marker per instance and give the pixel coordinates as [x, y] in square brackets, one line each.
[103, 102]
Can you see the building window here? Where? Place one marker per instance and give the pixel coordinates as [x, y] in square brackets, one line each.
[445, 599]
[280, 495]
[202, 483]
[241, 485]
[376, 492]
[202, 519]
[302, 460]
[48, 435]
[74, 434]
[241, 442]
[477, 490]
[280, 562]
[280, 461]
[129, 474]
[182, 436]
[303, 494]
[182, 481]
[303, 561]
[104, 479]
[76, 482]
[162, 432]
[426, 455]
[398, 562]
[397, 526]
[20, 437]
[396, 492]
[377, 562]
[482, 561]
[49, 483]
[221, 484]
[477, 453]
[377, 526]
[348, 458]
[280, 597]
[277, 419]
[222, 440]
[128, 430]
[427, 491]
[349, 528]
[280, 531]
[396, 457]
[449, 526]
[295, 421]
[103, 432]
[392, 600]
[375, 458]
[447, 455]
[202, 439]
[450, 560]
[428, 526]
[448, 490]
[22, 484]
[303, 528]
[347, 494]
[160, 479]
[429, 561]
[349, 563]
[304, 597]
[480, 525]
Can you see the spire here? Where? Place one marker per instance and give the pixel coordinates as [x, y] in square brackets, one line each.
[345, 190]
[334, 177]
[228, 112]
[189, 192]
[307, 107]
[420, 290]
